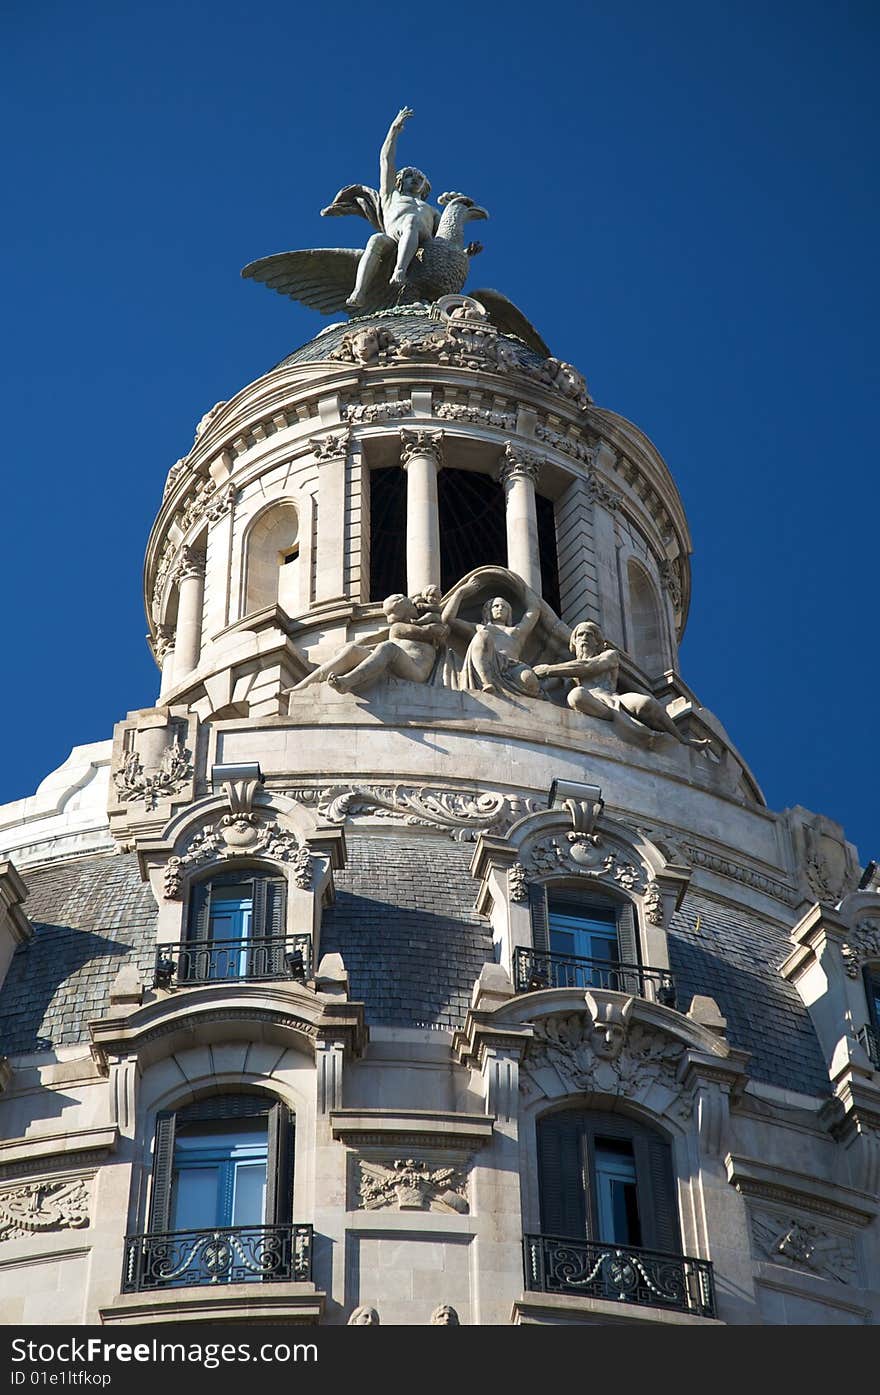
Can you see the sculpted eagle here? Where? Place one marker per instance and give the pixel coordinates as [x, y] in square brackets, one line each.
[417, 252]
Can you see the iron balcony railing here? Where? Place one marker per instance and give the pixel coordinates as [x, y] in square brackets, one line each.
[620, 1273]
[870, 1039]
[225, 1255]
[534, 969]
[216, 961]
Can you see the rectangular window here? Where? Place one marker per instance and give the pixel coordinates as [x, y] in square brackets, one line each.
[588, 935]
[617, 1205]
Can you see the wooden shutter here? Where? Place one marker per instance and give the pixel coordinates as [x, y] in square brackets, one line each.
[660, 1219]
[163, 1167]
[199, 923]
[872, 993]
[279, 1170]
[561, 1174]
[540, 920]
[627, 939]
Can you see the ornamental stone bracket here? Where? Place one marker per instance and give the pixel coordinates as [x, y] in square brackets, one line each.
[152, 772]
[832, 947]
[605, 1046]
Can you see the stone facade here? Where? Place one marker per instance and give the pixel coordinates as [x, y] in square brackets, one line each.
[418, 783]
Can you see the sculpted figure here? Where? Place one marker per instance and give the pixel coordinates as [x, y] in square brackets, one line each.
[595, 669]
[493, 662]
[364, 1317]
[444, 1316]
[408, 651]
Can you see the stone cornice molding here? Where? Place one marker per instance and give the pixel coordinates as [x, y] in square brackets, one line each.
[421, 443]
[50, 1151]
[288, 1013]
[754, 1178]
[415, 1128]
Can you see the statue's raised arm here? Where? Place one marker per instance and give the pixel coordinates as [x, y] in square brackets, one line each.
[387, 166]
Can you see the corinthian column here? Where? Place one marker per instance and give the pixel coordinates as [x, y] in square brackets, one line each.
[190, 594]
[421, 458]
[519, 475]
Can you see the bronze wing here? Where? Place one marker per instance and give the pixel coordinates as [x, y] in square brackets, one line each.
[510, 319]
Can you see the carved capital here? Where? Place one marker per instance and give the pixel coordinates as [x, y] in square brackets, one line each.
[602, 493]
[189, 564]
[519, 464]
[418, 443]
[163, 642]
[332, 446]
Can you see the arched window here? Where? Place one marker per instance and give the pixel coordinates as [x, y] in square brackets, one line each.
[236, 928]
[272, 561]
[607, 1178]
[872, 1029]
[609, 1216]
[221, 1196]
[646, 630]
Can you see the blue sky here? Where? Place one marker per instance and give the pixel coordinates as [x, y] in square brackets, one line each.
[683, 197]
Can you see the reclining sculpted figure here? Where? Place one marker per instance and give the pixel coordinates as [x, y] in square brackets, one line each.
[407, 649]
[594, 671]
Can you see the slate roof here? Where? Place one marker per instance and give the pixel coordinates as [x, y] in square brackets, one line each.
[404, 923]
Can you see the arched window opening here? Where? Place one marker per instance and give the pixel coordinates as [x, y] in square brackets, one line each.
[546, 515]
[583, 940]
[609, 1216]
[272, 561]
[646, 631]
[871, 1031]
[607, 1178]
[221, 1198]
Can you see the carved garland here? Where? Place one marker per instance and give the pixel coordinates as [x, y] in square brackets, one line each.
[237, 835]
[176, 769]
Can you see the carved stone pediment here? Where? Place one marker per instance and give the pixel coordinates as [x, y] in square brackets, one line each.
[235, 836]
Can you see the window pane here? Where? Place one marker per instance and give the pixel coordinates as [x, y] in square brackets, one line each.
[249, 1194]
[616, 1194]
[194, 1204]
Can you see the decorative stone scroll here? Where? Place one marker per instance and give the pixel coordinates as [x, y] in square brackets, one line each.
[461, 813]
[603, 1051]
[236, 835]
[410, 1184]
[801, 1244]
[42, 1206]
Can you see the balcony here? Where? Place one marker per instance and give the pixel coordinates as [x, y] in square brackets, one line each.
[620, 1273]
[219, 961]
[225, 1255]
[870, 1039]
[536, 969]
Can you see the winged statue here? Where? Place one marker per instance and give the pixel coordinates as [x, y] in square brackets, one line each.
[416, 253]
